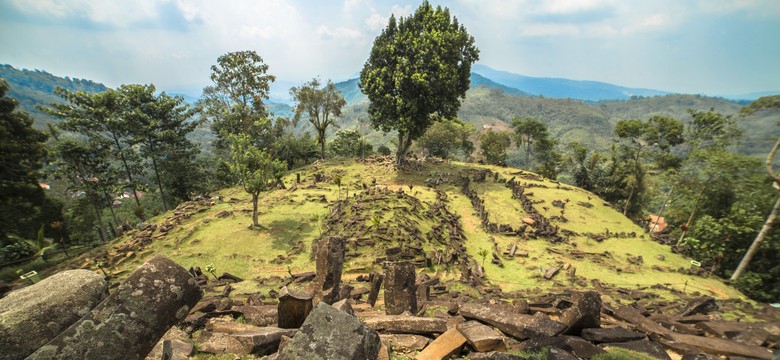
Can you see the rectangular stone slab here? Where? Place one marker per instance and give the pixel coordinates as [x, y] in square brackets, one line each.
[444, 346]
[723, 347]
[407, 324]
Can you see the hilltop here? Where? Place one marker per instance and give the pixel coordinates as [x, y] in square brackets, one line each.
[430, 215]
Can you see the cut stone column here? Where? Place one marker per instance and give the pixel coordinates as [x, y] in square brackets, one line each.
[330, 262]
[376, 284]
[400, 288]
[31, 316]
[128, 323]
[294, 307]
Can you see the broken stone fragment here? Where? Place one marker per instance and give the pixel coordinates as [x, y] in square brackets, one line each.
[444, 347]
[405, 341]
[481, 337]
[294, 306]
[585, 313]
[519, 326]
[611, 335]
[328, 333]
[33, 315]
[130, 321]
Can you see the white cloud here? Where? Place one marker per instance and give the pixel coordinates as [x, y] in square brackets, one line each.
[340, 33]
[256, 32]
[399, 10]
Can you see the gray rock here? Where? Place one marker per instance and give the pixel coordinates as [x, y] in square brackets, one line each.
[32, 316]
[328, 333]
[519, 326]
[400, 288]
[611, 335]
[585, 313]
[178, 342]
[482, 337]
[259, 341]
[405, 324]
[330, 261]
[294, 306]
[130, 321]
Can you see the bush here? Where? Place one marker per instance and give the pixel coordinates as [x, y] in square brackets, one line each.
[383, 150]
[15, 251]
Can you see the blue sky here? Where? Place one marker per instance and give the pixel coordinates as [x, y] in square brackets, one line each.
[714, 47]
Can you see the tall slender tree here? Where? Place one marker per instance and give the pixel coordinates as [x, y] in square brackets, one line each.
[318, 104]
[158, 125]
[254, 168]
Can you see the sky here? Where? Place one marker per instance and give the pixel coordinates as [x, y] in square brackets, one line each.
[712, 47]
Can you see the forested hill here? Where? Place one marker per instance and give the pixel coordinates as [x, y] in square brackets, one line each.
[35, 87]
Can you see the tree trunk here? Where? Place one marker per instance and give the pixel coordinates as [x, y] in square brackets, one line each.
[255, 197]
[693, 212]
[127, 170]
[321, 139]
[159, 183]
[99, 215]
[628, 201]
[769, 220]
[400, 152]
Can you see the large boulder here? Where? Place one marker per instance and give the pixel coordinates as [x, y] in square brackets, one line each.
[130, 321]
[32, 316]
[329, 333]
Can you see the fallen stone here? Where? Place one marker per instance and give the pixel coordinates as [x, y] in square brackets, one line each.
[611, 335]
[228, 327]
[405, 341]
[519, 326]
[444, 347]
[584, 314]
[723, 347]
[293, 308]
[642, 323]
[227, 277]
[130, 321]
[180, 346]
[702, 305]
[642, 346]
[259, 315]
[405, 324]
[328, 333]
[571, 344]
[263, 341]
[33, 315]
[482, 337]
[400, 288]
[344, 305]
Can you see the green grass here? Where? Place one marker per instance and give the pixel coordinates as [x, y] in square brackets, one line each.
[617, 353]
[291, 225]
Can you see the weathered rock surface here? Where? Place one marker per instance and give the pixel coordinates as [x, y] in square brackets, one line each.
[723, 346]
[130, 321]
[330, 261]
[328, 333]
[259, 315]
[519, 326]
[481, 337]
[179, 344]
[344, 305]
[585, 313]
[495, 355]
[294, 306]
[445, 346]
[31, 316]
[260, 341]
[407, 324]
[611, 335]
[405, 341]
[400, 288]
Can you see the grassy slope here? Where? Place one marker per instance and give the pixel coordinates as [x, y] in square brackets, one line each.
[291, 219]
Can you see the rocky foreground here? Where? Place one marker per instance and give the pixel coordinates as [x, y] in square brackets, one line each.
[159, 312]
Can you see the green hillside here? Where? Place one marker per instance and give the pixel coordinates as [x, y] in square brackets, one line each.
[35, 87]
[422, 215]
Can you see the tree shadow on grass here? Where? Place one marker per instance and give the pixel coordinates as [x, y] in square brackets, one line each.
[288, 233]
